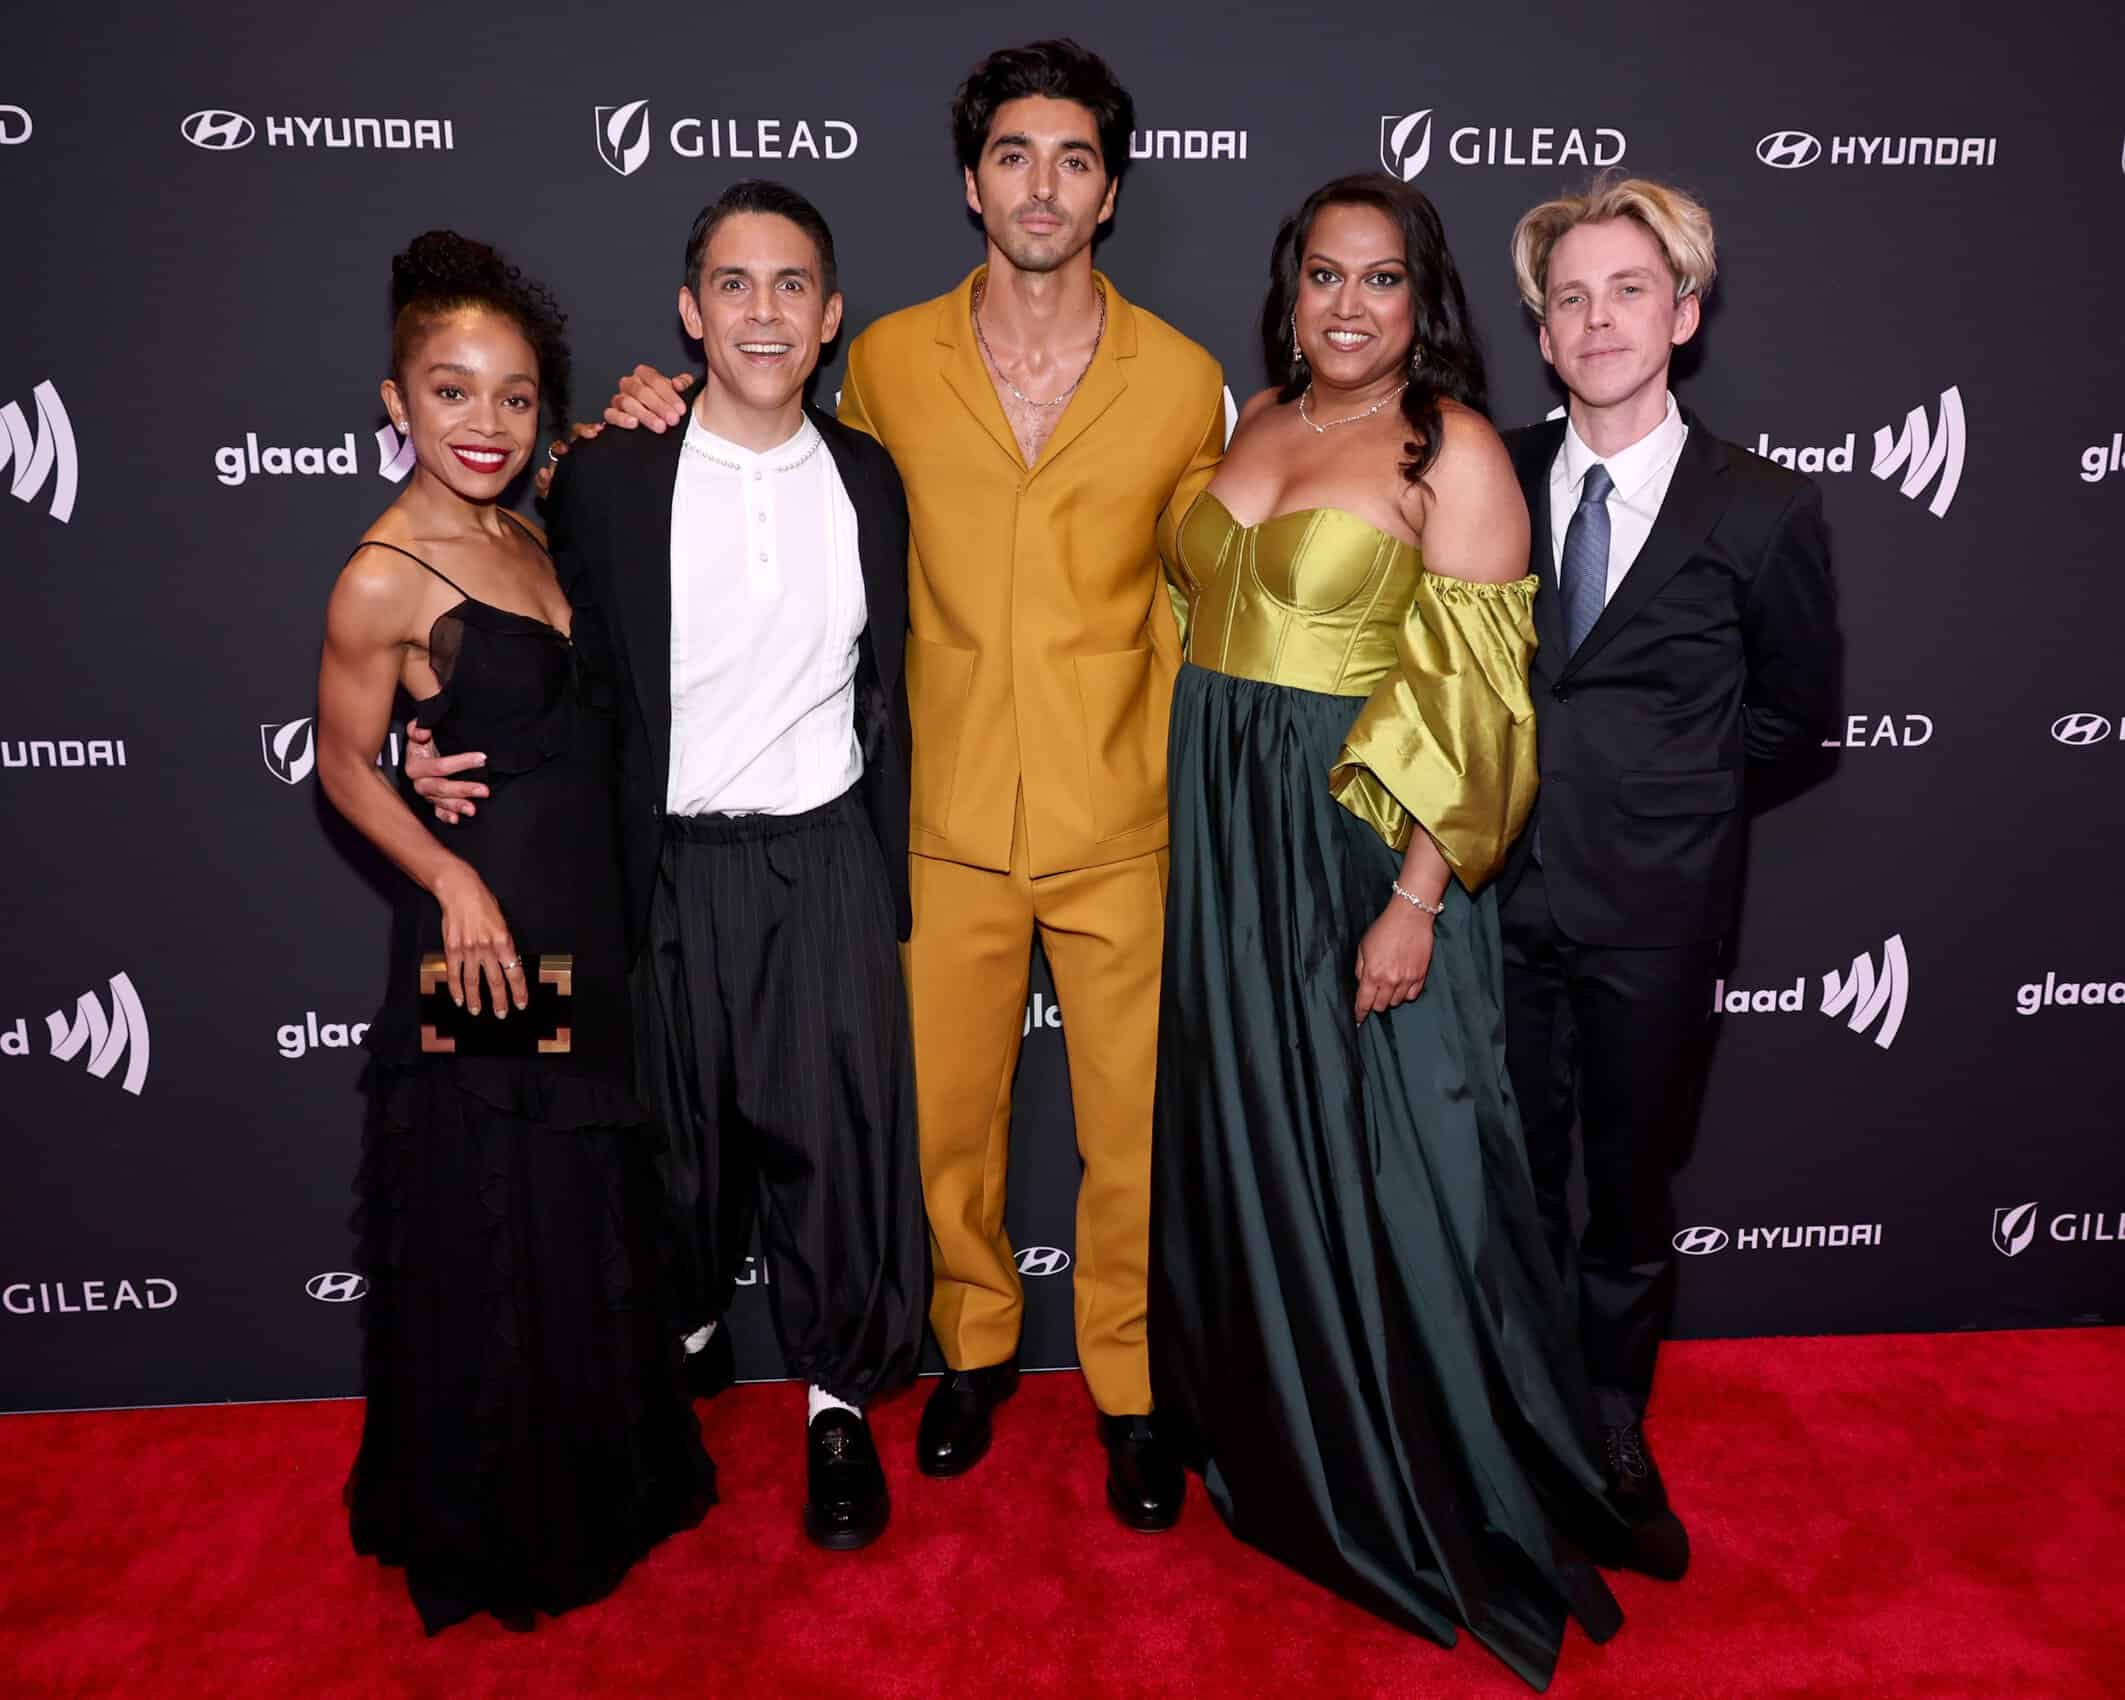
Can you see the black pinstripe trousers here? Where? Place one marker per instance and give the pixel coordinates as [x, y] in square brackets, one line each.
[773, 1025]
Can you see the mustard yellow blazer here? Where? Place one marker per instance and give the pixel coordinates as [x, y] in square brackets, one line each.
[1041, 644]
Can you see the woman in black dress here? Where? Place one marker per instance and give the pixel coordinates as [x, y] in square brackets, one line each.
[527, 1435]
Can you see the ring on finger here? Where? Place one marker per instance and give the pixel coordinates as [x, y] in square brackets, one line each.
[513, 962]
[553, 453]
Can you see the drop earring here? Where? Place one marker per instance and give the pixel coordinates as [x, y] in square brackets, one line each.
[1298, 356]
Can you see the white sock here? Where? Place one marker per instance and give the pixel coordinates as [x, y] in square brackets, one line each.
[821, 1400]
[698, 1339]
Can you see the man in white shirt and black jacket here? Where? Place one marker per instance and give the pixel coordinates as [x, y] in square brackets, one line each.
[749, 575]
[1688, 629]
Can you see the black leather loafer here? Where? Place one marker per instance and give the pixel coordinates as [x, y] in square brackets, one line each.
[1145, 1481]
[849, 1506]
[955, 1429]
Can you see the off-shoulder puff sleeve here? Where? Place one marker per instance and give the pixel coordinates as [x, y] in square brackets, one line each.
[1448, 737]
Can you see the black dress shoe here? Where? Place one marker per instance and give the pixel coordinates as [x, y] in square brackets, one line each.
[848, 1507]
[1145, 1482]
[1655, 1542]
[955, 1423]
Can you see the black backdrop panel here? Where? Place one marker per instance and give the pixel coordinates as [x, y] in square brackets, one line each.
[1913, 1117]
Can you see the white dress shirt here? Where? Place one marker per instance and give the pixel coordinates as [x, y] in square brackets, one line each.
[766, 608]
[1641, 474]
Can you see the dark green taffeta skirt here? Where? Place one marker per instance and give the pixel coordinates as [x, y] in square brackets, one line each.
[1354, 1321]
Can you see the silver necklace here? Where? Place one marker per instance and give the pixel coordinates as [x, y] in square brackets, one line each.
[996, 366]
[1322, 430]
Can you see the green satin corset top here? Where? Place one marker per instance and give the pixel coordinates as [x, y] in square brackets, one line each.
[1309, 599]
[1321, 600]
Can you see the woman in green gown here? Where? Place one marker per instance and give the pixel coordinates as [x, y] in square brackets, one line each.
[1354, 1319]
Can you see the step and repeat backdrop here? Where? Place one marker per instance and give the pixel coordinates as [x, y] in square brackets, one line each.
[1914, 1115]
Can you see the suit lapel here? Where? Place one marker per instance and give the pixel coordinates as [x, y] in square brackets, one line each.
[964, 370]
[1534, 449]
[1103, 382]
[1696, 497]
[641, 572]
[881, 551]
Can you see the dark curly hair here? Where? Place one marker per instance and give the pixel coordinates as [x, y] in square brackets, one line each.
[441, 271]
[1453, 356]
[1056, 70]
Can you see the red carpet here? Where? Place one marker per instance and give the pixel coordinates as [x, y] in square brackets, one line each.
[1939, 1516]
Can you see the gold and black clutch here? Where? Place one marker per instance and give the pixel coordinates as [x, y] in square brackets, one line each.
[542, 1029]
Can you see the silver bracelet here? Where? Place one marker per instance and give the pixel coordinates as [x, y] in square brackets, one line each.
[1411, 898]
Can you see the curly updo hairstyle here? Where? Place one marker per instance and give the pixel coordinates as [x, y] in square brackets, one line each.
[1452, 357]
[441, 272]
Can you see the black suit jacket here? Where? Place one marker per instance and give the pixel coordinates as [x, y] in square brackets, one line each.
[609, 527]
[1719, 648]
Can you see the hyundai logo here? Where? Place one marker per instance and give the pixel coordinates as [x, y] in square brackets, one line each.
[218, 130]
[1042, 1260]
[1788, 150]
[2080, 728]
[336, 1288]
[1701, 1242]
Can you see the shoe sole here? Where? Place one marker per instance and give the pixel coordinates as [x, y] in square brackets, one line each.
[1134, 1521]
[843, 1540]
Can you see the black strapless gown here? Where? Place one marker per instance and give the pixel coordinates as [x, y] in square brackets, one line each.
[527, 1435]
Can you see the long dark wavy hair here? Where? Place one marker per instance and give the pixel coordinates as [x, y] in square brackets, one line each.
[1453, 356]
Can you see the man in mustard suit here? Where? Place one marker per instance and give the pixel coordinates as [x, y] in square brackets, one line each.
[1042, 427]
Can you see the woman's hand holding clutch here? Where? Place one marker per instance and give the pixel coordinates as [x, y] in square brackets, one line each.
[477, 945]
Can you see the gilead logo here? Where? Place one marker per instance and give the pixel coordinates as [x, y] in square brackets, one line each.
[67, 1298]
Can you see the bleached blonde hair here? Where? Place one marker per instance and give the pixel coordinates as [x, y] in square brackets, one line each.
[1677, 222]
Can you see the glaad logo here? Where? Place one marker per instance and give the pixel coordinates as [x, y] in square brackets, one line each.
[624, 137]
[49, 454]
[1188, 144]
[1788, 150]
[336, 1287]
[299, 1038]
[15, 126]
[1922, 451]
[123, 1034]
[2080, 729]
[62, 752]
[235, 463]
[1405, 144]
[220, 131]
[1868, 996]
[1040, 1012]
[2099, 460]
[1042, 1260]
[1901, 731]
[64, 1298]
[394, 457]
[1831, 1236]
[2014, 1228]
[290, 750]
[2055, 993]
